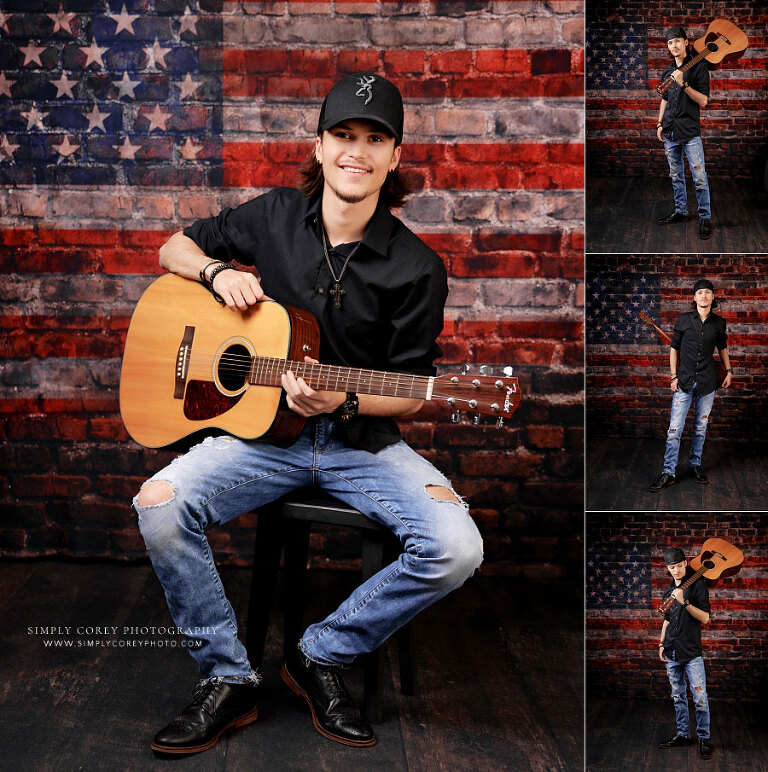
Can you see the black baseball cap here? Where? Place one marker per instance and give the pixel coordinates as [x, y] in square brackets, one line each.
[703, 284]
[673, 555]
[675, 32]
[366, 97]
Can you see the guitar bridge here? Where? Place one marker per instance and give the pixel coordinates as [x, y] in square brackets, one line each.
[182, 362]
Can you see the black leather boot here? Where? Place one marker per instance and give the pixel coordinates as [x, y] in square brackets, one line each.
[334, 713]
[216, 707]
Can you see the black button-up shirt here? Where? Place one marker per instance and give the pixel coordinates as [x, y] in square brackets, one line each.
[681, 115]
[696, 342]
[396, 287]
[683, 634]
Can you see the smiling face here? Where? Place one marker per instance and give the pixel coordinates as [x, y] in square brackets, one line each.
[703, 298]
[356, 157]
[677, 47]
[677, 570]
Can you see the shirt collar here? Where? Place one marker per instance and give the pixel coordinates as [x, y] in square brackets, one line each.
[376, 234]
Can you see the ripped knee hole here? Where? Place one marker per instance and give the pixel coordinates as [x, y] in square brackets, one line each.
[441, 493]
[154, 493]
[698, 688]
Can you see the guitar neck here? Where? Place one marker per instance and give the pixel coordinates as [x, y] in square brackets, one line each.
[647, 319]
[688, 582]
[267, 371]
[696, 59]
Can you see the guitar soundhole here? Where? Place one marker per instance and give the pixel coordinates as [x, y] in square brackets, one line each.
[712, 47]
[232, 368]
[708, 564]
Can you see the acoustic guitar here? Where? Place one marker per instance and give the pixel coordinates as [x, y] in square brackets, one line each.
[719, 366]
[722, 42]
[717, 560]
[191, 364]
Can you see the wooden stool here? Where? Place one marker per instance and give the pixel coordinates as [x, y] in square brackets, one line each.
[285, 526]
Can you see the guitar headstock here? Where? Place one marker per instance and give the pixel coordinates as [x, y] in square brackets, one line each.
[645, 317]
[482, 394]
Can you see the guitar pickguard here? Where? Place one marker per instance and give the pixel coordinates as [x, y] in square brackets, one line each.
[203, 401]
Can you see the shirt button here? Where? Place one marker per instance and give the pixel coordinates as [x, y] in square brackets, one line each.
[320, 291]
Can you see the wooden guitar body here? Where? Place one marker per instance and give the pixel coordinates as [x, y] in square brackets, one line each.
[160, 404]
[728, 41]
[718, 559]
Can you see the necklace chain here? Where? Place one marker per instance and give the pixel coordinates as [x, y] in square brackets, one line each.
[337, 291]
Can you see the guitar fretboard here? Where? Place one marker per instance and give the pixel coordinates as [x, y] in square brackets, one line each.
[267, 371]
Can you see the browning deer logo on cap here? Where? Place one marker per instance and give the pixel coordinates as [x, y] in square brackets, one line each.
[365, 82]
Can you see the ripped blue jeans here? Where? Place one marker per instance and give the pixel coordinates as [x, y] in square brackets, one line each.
[224, 477]
[681, 403]
[693, 150]
[697, 680]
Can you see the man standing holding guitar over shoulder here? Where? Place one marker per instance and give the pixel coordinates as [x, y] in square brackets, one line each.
[680, 650]
[378, 292]
[693, 377]
[679, 129]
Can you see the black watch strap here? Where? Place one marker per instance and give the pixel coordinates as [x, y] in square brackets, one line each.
[347, 411]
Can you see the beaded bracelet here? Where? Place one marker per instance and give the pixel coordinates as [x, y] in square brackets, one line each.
[214, 273]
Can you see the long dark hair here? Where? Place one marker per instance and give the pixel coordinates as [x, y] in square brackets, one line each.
[396, 188]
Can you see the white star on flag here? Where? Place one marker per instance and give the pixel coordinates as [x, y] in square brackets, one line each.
[5, 85]
[188, 86]
[96, 119]
[127, 150]
[62, 20]
[189, 150]
[158, 118]
[65, 149]
[156, 55]
[188, 22]
[32, 54]
[34, 118]
[6, 148]
[64, 86]
[126, 86]
[93, 54]
[124, 20]
[4, 19]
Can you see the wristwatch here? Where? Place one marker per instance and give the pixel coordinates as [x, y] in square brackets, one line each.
[685, 85]
[686, 602]
[347, 410]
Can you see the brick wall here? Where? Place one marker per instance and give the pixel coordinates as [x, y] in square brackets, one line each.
[627, 379]
[622, 659]
[494, 133]
[621, 120]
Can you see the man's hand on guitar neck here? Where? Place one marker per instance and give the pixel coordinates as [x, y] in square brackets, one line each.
[306, 401]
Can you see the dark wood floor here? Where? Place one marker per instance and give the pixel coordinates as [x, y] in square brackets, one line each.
[622, 214]
[499, 680]
[619, 471]
[624, 735]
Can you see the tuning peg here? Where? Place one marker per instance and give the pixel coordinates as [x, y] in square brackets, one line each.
[464, 369]
[486, 370]
[499, 423]
[508, 371]
[455, 416]
[476, 419]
